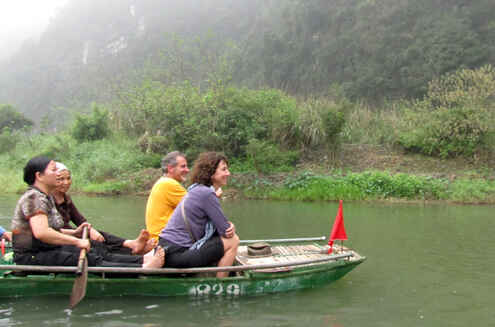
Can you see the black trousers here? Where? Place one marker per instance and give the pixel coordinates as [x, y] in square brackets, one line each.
[68, 255]
[179, 257]
[114, 243]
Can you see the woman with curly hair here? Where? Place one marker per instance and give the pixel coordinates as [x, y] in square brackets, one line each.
[198, 233]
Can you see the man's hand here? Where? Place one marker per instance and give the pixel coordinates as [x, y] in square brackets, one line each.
[230, 232]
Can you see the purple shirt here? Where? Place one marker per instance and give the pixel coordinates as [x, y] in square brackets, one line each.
[202, 204]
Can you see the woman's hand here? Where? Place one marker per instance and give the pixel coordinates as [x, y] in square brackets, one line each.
[79, 229]
[230, 232]
[83, 244]
[219, 192]
[96, 236]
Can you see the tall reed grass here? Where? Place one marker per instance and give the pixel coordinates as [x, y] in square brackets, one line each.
[377, 126]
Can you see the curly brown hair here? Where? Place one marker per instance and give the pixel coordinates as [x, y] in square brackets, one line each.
[205, 167]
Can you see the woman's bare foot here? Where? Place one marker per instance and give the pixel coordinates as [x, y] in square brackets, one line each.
[138, 245]
[156, 260]
[150, 245]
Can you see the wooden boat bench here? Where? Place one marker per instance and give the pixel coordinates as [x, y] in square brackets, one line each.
[282, 254]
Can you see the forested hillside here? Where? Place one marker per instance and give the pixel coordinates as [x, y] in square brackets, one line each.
[373, 49]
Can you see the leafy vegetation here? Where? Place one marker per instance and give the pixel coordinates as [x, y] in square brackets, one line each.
[91, 127]
[12, 119]
[373, 185]
[272, 84]
[268, 131]
[105, 166]
[455, 118]
[381, 49]
[266, 126]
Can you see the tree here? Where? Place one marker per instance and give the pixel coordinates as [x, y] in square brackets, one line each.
[91, 127]
[11, 118]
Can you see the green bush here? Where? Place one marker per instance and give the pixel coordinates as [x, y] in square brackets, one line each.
[11, 118]
[266, 157]
[151, 160]
[8, 140]
[333, 122]
[301, 181]
[321, 121]
[56, 146]
[91, 127]
[355, 186]
[447, 133]
[108, 187]
[455, 119]
[474, 191]
[385, 185]
[223, 119]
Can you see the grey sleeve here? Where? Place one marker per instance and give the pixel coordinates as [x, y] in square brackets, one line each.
[214, 211]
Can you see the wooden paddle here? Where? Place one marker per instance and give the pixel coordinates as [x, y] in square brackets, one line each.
[81, 281]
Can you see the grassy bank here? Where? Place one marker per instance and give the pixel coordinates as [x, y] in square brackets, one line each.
[115, 165]
[108, 166]
[369, 186]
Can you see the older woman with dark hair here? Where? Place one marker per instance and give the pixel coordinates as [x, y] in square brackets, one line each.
[198, 233]
[37, 228]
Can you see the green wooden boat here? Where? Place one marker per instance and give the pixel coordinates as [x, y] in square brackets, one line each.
[290, 266]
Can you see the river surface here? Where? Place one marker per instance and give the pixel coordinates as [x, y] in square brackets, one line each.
[427, 265]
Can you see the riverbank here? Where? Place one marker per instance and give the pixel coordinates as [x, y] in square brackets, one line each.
[363, 173]
[353, 173]
[374, 173]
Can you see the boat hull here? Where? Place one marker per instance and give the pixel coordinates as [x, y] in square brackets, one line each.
[249, 283]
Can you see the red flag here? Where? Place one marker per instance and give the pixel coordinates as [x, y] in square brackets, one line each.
[338, 230]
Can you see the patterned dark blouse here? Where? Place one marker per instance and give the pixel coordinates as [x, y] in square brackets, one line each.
[33, 202]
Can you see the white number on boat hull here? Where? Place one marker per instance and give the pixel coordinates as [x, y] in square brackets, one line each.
[215, 289]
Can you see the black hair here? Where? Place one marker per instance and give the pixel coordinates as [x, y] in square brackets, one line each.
[36, 164]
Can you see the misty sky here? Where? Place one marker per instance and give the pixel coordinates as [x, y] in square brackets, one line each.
[23, 19]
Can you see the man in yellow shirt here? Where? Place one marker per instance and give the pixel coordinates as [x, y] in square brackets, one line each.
[166, 193]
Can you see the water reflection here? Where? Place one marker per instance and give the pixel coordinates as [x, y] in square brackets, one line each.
[428, 265]
[271, 310]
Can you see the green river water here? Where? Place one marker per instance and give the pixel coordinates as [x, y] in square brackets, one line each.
[427, 265]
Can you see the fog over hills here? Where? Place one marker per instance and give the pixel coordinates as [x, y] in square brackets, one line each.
[373, 49]
[10, 42]
[24, 21]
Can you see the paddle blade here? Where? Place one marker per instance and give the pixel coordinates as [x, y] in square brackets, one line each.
[79, 288]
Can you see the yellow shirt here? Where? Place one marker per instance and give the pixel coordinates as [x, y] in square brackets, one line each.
[164, 197]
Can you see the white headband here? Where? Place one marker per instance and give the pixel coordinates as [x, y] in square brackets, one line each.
[60, 166]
